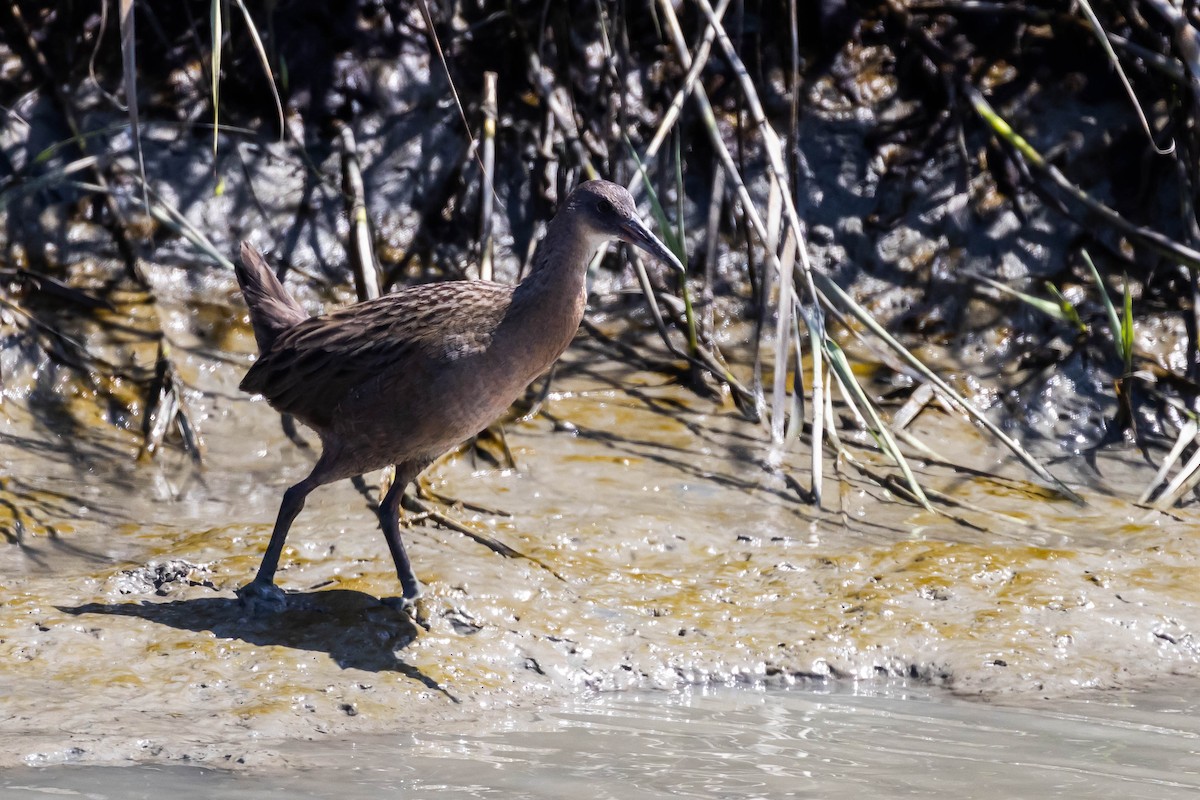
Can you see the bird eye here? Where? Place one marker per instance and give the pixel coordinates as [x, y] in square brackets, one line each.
[605, 207]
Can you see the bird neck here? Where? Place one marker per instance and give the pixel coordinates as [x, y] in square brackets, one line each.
[549, 303]
[558, 275]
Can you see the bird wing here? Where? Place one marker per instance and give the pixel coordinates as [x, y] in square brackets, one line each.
[312, 366]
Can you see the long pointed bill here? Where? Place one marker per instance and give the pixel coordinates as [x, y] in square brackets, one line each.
[638, 235]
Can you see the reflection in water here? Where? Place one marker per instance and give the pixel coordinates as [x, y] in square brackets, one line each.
[897, 741]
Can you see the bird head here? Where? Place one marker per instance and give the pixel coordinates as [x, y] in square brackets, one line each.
[608, 212]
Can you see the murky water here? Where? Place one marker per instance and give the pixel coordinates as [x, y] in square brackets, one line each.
[888, 741]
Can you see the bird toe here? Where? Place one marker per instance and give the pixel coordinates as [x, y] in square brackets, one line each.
[413, 608]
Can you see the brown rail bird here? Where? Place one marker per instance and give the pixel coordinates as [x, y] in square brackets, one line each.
[403, 378]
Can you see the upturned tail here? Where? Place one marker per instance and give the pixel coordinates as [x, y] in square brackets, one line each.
[272, 309]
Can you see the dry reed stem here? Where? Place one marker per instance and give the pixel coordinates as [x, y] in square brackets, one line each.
[487, 176]
[360, 246]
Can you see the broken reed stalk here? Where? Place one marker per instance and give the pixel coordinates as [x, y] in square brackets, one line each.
[700, 98]
[813, 315]
[487, 178]
[360, 247]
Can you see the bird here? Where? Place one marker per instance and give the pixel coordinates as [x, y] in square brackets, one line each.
[405, 377]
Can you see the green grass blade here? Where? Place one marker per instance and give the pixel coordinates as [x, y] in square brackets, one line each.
[876, 427]
[1066, 308]
[1127, 328]
[660, 215]
[1062, 311]
[1114, 322]
[831, 289]
[1151, 238]
[45, 180]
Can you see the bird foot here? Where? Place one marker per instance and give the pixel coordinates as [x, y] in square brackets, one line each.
[402, 604]
[412, 593]
[262, 597]
[413, 608]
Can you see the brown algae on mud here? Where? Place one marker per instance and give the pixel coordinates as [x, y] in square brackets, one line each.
[667, 556]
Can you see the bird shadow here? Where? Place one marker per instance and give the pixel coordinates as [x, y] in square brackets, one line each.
[353, 628]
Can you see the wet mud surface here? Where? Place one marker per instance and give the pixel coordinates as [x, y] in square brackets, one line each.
[658, 553]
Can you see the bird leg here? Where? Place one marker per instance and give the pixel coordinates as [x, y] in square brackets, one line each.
[262, 591]
[389, 520]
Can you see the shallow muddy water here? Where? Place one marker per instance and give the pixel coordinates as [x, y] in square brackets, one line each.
[883, 741]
